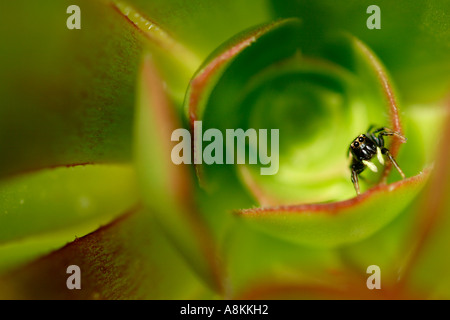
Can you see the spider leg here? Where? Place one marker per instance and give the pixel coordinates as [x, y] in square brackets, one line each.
[381, 129]
[388, 132]
[391, 158]
[355, 181]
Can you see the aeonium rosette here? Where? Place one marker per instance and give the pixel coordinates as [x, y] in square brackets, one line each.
[227, 231]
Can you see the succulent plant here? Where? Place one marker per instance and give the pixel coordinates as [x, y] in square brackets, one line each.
[85, 135]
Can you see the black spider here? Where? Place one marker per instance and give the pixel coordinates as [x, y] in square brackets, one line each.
[365, 147]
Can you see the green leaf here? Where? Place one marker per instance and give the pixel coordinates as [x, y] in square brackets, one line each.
[128, 259]
[58, 198]
[202, 25]
[43, 210]
[254, 258]
[209, 73]
[413, 42]
[167, 188]
[177, 62]
[338, 223]
[179, 46]
[319, 93]
[427, 265]
[67, 95]
[388, 247]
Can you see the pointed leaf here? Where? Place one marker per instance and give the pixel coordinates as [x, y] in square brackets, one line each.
[166, 187]
[203, 25]
[42, 211]
[54, 199]
[338, 223]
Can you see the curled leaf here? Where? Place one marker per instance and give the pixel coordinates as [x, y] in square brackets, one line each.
[318, 94]
[338, 223]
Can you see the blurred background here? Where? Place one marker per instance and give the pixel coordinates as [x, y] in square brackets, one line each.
[85, 144]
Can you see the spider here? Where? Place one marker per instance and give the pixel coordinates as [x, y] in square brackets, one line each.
[365, 147]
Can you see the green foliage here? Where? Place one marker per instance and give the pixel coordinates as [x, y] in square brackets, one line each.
[109, 95]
